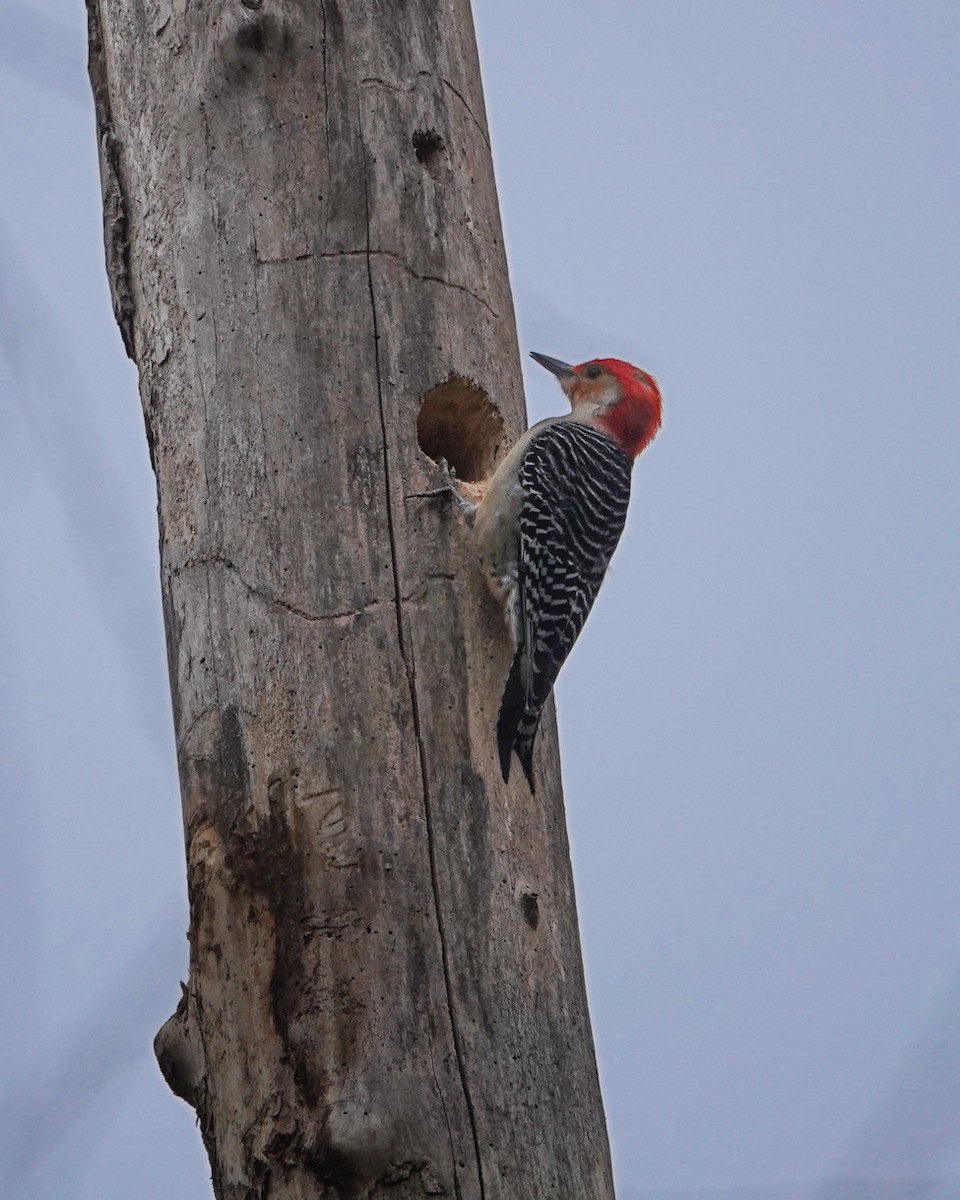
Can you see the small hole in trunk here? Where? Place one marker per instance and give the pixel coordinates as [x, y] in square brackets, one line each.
[430, 151]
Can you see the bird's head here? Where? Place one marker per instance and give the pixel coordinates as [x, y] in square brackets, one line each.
[614, 396]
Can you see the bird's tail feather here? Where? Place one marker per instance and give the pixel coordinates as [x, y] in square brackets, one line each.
[511, 713]
[517, 724]
[523, 744]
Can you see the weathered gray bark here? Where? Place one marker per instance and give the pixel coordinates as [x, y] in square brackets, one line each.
[386, 993]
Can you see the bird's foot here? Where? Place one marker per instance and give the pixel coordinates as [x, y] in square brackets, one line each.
[448, 490]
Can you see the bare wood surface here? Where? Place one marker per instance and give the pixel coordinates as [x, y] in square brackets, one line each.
[386, 993]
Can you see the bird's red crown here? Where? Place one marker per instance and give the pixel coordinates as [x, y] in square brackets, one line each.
[631, 407]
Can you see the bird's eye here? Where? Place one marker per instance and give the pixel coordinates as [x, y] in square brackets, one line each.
[593, 372]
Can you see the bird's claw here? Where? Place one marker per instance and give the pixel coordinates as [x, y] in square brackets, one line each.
[447, 490]
[447, 471]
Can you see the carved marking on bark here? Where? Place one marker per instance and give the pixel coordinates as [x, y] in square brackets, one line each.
[337, 846]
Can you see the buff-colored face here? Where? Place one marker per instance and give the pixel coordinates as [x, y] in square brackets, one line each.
[592, 383]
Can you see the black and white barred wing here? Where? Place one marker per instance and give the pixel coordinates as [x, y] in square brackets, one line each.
[576, 485]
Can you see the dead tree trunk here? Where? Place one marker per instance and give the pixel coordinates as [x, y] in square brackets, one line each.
[304, 249]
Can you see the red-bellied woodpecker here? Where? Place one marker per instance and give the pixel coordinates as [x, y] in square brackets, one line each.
[548, 524]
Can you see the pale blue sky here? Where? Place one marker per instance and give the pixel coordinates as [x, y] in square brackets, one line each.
[758, 202]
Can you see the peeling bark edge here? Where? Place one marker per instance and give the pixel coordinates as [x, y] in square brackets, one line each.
[116, 225]
[179, 1052]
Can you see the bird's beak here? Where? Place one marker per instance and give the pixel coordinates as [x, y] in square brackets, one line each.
[562, 370]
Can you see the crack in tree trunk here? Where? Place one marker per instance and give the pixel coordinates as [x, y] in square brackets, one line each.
[410, 668]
